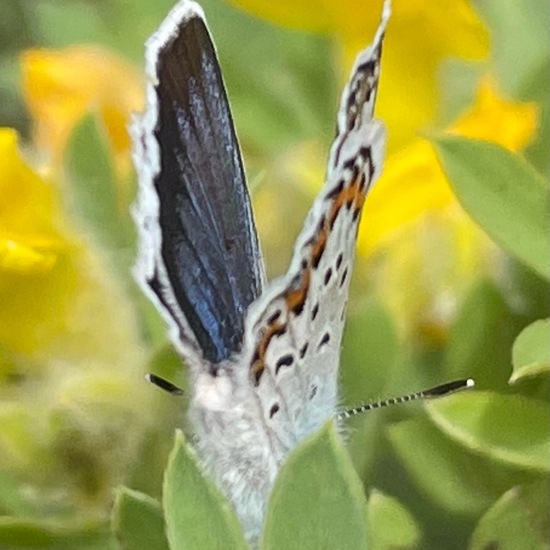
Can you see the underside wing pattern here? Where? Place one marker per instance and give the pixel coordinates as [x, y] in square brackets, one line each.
[209, 261]
[294, 330]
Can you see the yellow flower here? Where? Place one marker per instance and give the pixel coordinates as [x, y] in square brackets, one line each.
[33, 272]
[53, 289]
[29, 240]
[60, 87]
[69, 337]
[420, 34]
[412, 181]
[431, 249]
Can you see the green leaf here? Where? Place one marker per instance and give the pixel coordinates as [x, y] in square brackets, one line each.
[93, 188]
[137, 521]
[519, 519]
[456, 480]
[370, 338]
[503, 193]
[317, 500]
[519, 39]
[63, 25]
[13, 500]
[508, 428]
[158, 440]
[390, 525]
[531, 351]
[529, 290]
[26, 533]
[480, 339]
[196, 514]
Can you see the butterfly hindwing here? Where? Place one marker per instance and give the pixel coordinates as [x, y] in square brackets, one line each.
[203, 264]
[294, 330]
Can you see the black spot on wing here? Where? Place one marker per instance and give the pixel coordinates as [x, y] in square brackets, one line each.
[312, 391]
[284, 361]
[324, 340]
[273, 317]
[209, 243]
[315, 311]
[343, 277]
[336, 190]
[274, 409]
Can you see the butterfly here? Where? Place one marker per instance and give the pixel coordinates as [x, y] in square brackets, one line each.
[262, 356]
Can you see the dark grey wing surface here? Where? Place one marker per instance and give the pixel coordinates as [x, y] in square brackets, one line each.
[207, 267]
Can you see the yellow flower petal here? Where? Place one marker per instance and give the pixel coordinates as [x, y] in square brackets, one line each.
[20, 188]
[54, 292]
[61, 86]
[420, 34]
[451, 26]
[19, 258]
[289, 13]
[411, 183]
[454, 27]
[497, 119]
[29, 239]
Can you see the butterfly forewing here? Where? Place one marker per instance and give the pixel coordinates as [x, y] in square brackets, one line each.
[206, 261]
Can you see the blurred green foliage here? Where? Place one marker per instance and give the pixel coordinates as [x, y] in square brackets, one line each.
[469, 471]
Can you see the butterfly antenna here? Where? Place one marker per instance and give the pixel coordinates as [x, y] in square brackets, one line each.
[163, 384]
[437, 391]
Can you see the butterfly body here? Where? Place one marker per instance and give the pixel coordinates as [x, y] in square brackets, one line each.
[263, 358]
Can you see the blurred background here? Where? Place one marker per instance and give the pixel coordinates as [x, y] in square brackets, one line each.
[433, 297]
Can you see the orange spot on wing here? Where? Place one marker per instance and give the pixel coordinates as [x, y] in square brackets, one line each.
[319, 244]
[296, 297]
[258, 359]
[351, 195]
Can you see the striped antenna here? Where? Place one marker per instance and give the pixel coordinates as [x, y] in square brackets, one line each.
[437, 391]
[163, 384]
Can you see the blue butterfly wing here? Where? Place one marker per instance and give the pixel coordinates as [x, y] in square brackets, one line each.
[209, 252]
